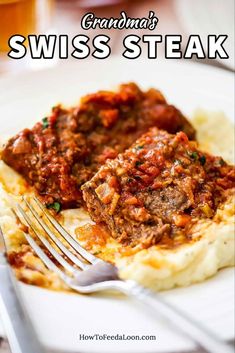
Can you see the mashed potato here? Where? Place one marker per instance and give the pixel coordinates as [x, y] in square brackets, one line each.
[215, 134]
[159, 268]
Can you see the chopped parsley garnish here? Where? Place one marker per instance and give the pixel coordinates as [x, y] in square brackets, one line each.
[202, 160]
[45, 123]
[193, 155]
[139, 147]
[221, 162]
[138, 163]
[56, 206]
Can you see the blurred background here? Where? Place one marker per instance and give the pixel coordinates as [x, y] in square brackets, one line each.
[64, 16]
[183, 17]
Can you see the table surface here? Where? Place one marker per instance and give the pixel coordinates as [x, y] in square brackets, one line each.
[67, 20]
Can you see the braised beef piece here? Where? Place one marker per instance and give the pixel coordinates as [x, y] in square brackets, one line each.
[67, 148]
[157, 189]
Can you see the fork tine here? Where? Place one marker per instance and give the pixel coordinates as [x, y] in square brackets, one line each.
[75, 245]
[52, 236]
[2, 239]
[45, 242]
[45, 259]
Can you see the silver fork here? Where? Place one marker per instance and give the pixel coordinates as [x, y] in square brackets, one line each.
[85, 273]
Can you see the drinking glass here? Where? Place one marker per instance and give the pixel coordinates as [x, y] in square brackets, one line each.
[22, 17]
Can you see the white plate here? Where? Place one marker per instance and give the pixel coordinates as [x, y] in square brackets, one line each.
[59, 318]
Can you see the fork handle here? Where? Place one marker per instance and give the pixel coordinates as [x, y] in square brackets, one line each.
[20, 333]
[187, 325]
